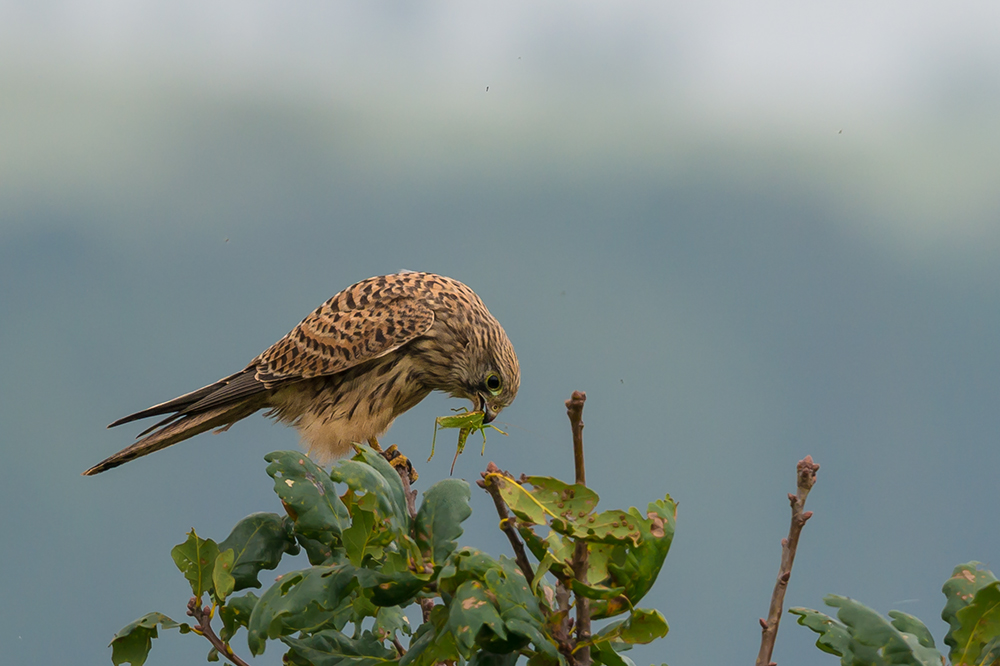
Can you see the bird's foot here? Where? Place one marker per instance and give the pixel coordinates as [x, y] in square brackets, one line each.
[400, 462]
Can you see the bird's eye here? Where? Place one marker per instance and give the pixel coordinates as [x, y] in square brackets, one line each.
[493, 383]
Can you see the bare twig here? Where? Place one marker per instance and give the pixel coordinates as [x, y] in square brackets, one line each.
[204, 627]
[507, 524]
[574, 409]
[426, 605]
[806, 473]
[400, 650]
[562, 630]
[411, 495]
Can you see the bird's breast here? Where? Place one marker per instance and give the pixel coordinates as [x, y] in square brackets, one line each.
[332, 412]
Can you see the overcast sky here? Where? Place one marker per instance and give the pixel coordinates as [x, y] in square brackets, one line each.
[750, 232]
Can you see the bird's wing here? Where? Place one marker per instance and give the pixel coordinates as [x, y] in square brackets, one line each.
[331, 340]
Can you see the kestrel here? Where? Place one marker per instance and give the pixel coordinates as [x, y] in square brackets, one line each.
[351, 367]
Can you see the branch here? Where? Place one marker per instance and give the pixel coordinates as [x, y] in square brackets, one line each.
[204, 627]
[806, 471]
[507, 523]
[574, 410]
[411, 495]
[426, 605]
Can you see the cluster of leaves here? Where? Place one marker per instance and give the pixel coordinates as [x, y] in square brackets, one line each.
[371, 559]
[863, 636]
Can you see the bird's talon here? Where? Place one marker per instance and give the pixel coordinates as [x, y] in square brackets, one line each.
[400, 462]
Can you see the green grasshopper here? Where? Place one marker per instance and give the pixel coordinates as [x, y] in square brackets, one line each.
[467, 422]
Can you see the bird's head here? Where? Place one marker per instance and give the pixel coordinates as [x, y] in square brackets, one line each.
[487, 373]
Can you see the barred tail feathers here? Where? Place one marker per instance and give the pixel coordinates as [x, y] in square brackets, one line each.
[179, 430]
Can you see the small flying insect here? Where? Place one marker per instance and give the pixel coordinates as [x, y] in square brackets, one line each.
[467, 422]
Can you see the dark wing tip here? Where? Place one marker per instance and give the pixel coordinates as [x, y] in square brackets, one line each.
[102, 466]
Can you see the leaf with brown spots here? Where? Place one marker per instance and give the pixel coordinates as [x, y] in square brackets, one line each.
[638, 569]
[471, 612]
[959, 591]
[979, 634]
[570, 502]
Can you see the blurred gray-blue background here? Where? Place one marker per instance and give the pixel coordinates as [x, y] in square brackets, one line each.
[750, 232]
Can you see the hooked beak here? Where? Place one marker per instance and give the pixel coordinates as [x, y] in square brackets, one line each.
[484, 407]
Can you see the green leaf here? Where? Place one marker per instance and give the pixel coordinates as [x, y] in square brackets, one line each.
[235, 614]
[332, 648]
[603, 653]
[512, 591]
[484, 658]
[561, 547]
[391, 476]
[522, 503]
[534, 543]
[396, 589]
[307, 600]
[568, 502]
[599, 555]
[433, 643]
[390, 620]
[870, 628]
[960, 590]
[864, 637]
[307, 490]
[472, 612]
[465, 564]
[439, 521]
[196, 560]
[910, 625]
[222, 578]
[980, 626]
[364, 478]
[596, 591]
[519, 610]
[317, 551]
[542, 642]
[542, 659]
[259, 541]
[606, 527]
[835, 638]
[642, 626]
[132, 643]
[358, 537]
[642, 563]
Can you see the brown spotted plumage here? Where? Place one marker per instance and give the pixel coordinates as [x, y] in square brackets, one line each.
[352, 366]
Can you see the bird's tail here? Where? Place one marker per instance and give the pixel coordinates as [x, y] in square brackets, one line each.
[181, 429]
